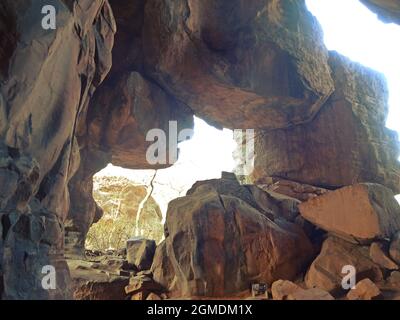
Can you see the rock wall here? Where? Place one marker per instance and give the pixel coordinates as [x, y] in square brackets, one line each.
[72, 100]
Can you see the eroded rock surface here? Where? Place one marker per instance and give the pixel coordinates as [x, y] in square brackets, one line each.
[239, 247]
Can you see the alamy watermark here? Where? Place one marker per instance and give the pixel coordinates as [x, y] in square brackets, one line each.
[164, 149]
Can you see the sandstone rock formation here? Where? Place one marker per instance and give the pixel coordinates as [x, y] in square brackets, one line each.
[364, 290]
[239, 247]
[326, 271]
[73, 100]
[362, 212]
[317, 153]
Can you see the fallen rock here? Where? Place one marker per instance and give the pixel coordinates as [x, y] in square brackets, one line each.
[281, 289]
[394, 249]
[278, 205]
[219, 245]
[140, 253]
[141, 286]
[363, 212]
[364, 290]
[378, 254]
[346, 143]
[326, 270]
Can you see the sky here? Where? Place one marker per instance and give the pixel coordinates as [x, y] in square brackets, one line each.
[349, 28]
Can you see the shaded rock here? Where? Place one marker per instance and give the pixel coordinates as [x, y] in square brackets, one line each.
[292, 189]
[363, 212]
[317, 153]
[140, 253]
[250, 70]
[394, 279]
[394, 249]
[364, 290]
[140, 287]
[240, 247]
[388, 11]
[379, 254]
[162, 268]
[278, 204]
[326, 270]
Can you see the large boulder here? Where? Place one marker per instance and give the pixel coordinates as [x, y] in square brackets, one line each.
[362, 212]
[318, 152]
[326, 270]
[219, 245]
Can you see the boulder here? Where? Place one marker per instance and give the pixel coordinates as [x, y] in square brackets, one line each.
[394, 249]
[281, 289]
[326, 270]
[318, 152]
[362, 212]
[219, 245]
[379, 254]
[279, 205]
[140, 253]
[364, 290]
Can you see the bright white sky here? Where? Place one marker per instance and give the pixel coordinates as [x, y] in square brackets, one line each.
[349, 28]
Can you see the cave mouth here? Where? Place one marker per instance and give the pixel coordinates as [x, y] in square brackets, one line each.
[135, 202]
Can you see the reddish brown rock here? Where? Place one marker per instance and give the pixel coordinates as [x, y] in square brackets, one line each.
[281, 289]
[241, 246]
[317, 152]
[394, 249]
[248, 70]
[364, 290]
[363, 212]
[387, 10]
[379, 254]
[326, 271]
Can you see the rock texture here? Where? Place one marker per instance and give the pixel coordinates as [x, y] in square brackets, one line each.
[317, 153]
[86, 94]
[361, 212]
[326, 271]
[387, 10]
[217, 244]
[47, 79]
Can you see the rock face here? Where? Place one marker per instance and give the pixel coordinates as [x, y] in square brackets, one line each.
[47, 78]
[140, 253]
[326, 271]
[364, 290]
[217, 244]
[387, 10]
[363, 212]
[353, 119]
[320, 121]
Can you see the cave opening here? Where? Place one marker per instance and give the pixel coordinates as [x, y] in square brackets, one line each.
[135, 202]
